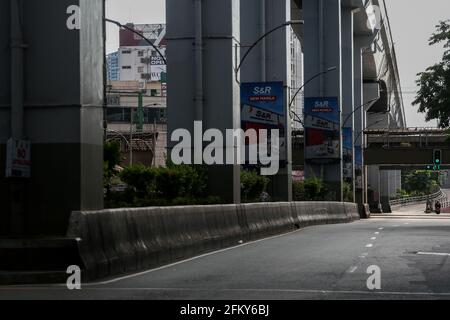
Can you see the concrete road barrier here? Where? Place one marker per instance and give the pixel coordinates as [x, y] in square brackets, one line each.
[126, 240]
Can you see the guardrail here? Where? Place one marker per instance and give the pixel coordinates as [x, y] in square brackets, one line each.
[435, 196]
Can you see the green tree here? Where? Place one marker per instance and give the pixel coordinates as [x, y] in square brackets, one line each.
[433, 97]
[421, 182]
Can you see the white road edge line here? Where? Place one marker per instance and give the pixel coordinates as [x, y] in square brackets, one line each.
[442, 254]
[397, 293]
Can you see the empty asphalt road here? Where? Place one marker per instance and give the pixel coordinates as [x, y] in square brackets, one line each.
[322, 262]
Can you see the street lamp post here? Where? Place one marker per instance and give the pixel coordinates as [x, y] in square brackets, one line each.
[304, 85]
[361, 132]
[131, 136]
[288, 23]
[359, 108]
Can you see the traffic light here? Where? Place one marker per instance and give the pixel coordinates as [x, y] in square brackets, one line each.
[437, 157]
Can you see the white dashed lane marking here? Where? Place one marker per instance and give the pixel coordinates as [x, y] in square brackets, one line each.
[442, 254]
[352, 269]
[369, 245]
[373, 238]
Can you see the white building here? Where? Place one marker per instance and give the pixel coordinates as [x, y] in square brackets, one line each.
[138, 61]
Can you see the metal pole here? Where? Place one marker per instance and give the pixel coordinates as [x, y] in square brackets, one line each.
[263, 42]
[17, 48]
[131, 137]
[321, 53]
[198, 61]
[154, 142]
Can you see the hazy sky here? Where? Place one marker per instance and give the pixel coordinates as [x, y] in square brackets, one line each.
[412, 23]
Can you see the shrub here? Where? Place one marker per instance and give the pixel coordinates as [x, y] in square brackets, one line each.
[311, 189]
[174, 185]
[252, 185]
[111, 158]
[347, 192]
[298, 191]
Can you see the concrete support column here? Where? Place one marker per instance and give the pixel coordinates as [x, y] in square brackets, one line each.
[62, 117]
[374, 188]
[360, 177]
[323, 49]
[221, 108]
[278, 68]
[390, 182]
[348, 100]
[252, 69]
[385, 189]
[274, 54]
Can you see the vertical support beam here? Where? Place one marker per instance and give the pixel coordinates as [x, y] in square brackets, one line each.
[17, 50]
[251, 27]
[274, 54]
[279, 69]
[360, 177]
[348, 105]
[374, 179]
[221, 107]
[322, 49]
[63, 113]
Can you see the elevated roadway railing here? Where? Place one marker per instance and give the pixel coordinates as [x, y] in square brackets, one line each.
[414, 200]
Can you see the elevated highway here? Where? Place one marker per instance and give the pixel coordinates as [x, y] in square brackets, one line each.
[406, 147]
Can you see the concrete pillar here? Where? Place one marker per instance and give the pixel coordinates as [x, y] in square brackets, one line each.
[221, 108]
[62, 115]
[385, 189]
[374, 184]
[252, 69]
[322, 50]
[360, 177]
[270, 61]
[348, 92]
[278, 68]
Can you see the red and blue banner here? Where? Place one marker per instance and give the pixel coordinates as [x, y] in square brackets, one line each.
[322, 128]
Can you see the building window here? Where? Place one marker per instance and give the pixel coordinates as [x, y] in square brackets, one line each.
[126, 51]
[140, 69]
[140, 53]
[126, 67]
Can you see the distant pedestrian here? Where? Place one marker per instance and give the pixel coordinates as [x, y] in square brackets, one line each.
[264, 197]
[437, 207]
[428, 208]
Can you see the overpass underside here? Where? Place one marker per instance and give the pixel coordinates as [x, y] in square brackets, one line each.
[406, 148]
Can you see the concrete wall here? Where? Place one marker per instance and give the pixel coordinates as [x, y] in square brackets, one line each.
[126, 240]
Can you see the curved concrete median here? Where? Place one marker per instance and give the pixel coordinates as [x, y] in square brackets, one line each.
[126, 240]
